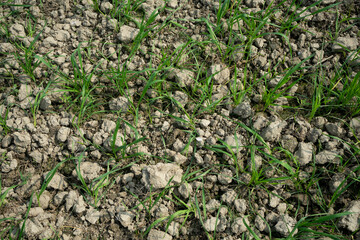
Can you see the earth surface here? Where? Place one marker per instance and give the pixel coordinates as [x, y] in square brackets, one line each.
[179, 119]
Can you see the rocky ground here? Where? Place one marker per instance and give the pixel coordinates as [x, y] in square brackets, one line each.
[179, 119]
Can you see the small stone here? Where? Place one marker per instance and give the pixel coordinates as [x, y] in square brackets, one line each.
[45, 103]
[92, 215]
[185, 190]
[243, 110]
[234, 142]
[88, 170]
[125, 218]
[240, 205]
[62, 134]
[119, 104]
[285, 225]
[225, 177]
[184, 78]
[345, 42]
[336, 181]
[239, 226]
[220, 73]
[159, 175]
[127, 34]
[352, 221]
[211, 224]
[156, 235]
[62, 35]
[17, 30]
[24, 92]
[212, 205]
[57, 182]
[326, 156]
[229, 197]
[106, 7]
[274, 200]
[273, 131]
[304, 153]
[22, 139]
[335, 130]
[181, 98]
[204, 123]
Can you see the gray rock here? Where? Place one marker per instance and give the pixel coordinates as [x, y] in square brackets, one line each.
[229, 197]
[185, 190]
[285, 225]
[127, 34]
[273, 131]
[174, 228]
[181, 98]
[156, 235]
[62, 35]
[225, 177]
[336, 181]
[255, 164]
[79, 205]
[32, 228]
[234, 142]
[22, 139]
[6, 48]
[178, 145]
[243, 110]
[43, 201]
[352, 221]
[92, 215]
[212, 205]
[119, 104]
[260, 224]
[184, 78]
[173, 4]
[106, 7]
[304, 153]
[239, 226]
[355, 124]
[88, 170]
[314, 134]
[62, 134]
[347, 42]
[260, 123]
[35, 211]
[159, 175]
[289, 142]
[125, 218]
[57, 182]
[240, 205]
[59, 198]
[326, 156]
[211, 224]
[108, 126]
[24, 92]
[335, 130]
[36, 156]
[161, 211]
[274, 200]
[204, 123]
[75, 144]
[17, 30]
[220, 73]
[119, 141]
[45, 103]
[6, 141]
[70, 199]
[49, 42]
[9, 165]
